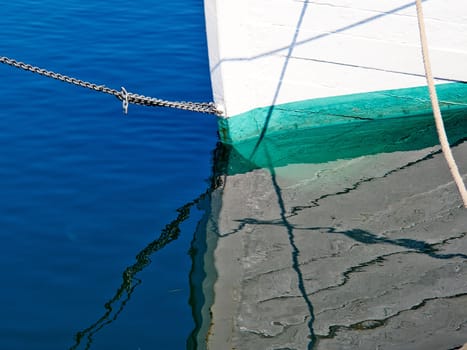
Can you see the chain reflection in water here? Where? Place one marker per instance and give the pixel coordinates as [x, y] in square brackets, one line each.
[170, 233]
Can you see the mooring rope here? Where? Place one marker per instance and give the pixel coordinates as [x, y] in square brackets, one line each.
[436, 110]
[124, 96]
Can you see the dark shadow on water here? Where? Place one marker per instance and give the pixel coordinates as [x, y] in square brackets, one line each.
[242, 166]
[222, 165]
[367, 237]
[356, 234]
[295, 262]
[421, 247]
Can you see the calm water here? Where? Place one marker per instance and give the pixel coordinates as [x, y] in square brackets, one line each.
[84, 188]
[110, 241]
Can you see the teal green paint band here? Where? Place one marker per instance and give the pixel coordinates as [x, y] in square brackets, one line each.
[339, 110]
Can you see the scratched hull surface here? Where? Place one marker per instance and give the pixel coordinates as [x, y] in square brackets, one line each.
[360, 253]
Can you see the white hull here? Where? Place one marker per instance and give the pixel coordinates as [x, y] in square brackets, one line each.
[270, 52]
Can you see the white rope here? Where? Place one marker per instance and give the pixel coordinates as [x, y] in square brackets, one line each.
[436, 110]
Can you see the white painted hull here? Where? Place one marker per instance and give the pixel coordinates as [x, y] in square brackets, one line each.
[270, 52]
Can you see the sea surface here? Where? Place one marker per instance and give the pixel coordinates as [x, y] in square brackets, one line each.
[140, 231]
[85, 189]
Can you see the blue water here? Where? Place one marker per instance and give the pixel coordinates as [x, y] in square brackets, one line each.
[85, 188]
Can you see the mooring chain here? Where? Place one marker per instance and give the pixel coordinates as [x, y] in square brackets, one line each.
[122, 95]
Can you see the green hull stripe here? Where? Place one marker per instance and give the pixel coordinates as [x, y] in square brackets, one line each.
[302, 115]
[343, 141]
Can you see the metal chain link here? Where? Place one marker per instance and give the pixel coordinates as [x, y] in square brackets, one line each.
[122, 95]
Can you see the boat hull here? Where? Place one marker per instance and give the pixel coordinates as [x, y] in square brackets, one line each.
[282, 65]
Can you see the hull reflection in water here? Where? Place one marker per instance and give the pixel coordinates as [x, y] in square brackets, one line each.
[338, 240]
